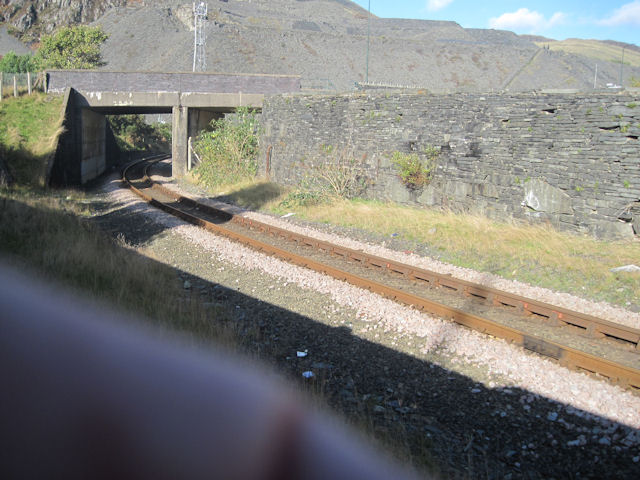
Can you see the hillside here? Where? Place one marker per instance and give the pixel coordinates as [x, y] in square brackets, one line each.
[325, 41]
[596, 49]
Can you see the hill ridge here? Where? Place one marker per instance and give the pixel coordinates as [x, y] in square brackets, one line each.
[325, 41]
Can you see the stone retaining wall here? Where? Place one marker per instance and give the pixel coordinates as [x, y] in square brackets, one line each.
[569, 159]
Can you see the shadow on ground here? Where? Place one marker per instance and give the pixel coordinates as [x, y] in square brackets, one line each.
[442, 420]
[438, 419]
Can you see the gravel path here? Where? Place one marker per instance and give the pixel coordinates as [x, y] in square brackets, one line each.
[486, 408]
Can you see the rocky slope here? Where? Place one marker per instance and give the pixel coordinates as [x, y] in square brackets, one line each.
[30, 18]
[324, 41]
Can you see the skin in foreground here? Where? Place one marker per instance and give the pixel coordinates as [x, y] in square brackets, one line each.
[86, 395]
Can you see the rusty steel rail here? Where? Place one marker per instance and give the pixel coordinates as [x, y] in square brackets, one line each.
[628, 377]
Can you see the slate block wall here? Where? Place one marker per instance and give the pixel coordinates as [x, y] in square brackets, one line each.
[572, 160]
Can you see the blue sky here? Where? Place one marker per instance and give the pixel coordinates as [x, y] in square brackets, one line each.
[559, 19]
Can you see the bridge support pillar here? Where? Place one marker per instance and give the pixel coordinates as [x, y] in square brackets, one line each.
[179, 143]
[187, 122]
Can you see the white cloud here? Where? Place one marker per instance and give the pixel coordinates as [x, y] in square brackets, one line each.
[628, 14]
[526, 20]
[435, 5]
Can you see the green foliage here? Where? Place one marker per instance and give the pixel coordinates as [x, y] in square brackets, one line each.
[133, 133]
[12, 63]
[412, 171]
[302, 198]
[76, 47]
[229, 153]
[635, 82]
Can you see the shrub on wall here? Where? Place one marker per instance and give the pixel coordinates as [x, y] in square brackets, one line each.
[229, 153]
[412, 171]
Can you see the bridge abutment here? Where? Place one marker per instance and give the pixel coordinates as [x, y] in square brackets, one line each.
[92, 145]
[193, 99]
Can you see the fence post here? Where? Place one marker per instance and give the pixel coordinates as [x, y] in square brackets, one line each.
[29, 82]
[15, 86]
[189, 150]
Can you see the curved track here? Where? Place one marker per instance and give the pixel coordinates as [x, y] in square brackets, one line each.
[625, 374]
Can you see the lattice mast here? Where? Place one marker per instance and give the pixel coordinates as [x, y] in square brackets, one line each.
[200, 40]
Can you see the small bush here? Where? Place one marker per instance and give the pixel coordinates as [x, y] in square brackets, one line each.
[229, 153]
[413, 173]
[341, 174]
[338, 174]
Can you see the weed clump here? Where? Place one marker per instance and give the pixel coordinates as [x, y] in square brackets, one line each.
[339, 175]
[412, 171]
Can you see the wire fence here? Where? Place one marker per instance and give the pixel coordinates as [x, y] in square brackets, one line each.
[16, 84]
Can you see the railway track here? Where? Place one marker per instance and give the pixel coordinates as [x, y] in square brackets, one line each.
[615, 348]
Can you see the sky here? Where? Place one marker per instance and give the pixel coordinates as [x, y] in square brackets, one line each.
[559, 19]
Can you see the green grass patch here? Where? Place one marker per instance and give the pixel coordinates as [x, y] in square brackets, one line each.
[29, 128]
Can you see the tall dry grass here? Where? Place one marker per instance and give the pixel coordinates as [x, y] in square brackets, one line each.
[46, 234]
[535, 254]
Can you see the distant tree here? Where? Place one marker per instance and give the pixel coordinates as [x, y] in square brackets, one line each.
[76, 47]
[12, 63]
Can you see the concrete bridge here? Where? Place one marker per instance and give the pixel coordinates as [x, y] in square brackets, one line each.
[194, 99]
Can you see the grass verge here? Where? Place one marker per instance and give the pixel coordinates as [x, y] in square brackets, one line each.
[46, 234]
[29, 128]
[538, 255]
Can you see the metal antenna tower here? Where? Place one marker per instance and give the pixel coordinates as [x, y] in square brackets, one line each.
[200, 40]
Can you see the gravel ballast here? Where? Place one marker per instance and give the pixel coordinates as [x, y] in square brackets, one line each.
[486, 408]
